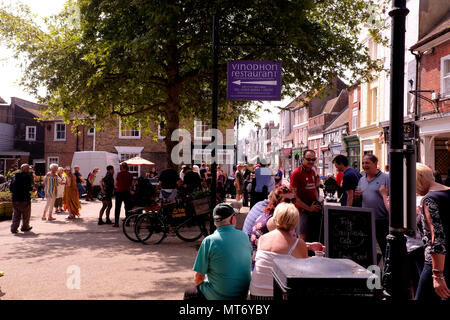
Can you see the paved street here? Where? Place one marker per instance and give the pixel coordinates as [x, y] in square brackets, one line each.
[37, 264]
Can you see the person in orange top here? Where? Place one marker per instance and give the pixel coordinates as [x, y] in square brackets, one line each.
[71, 198]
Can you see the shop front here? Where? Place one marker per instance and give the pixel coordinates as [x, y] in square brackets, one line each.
[434, 139]
[352, 147]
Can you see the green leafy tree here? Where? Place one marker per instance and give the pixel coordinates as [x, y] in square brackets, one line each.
[150, 61]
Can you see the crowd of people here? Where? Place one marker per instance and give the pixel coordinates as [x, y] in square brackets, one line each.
[288, 222]
[284, 219]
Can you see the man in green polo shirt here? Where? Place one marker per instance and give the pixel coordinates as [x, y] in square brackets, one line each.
[225, 257]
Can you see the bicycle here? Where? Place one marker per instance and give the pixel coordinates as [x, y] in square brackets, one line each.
[152, 227]
[129, 223]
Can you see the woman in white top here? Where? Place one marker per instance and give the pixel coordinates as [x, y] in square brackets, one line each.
[60, 191]
[279, 242]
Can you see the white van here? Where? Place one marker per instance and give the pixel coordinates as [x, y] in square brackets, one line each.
[88, 160]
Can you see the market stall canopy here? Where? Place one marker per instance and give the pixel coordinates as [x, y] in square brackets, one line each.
[138, 161]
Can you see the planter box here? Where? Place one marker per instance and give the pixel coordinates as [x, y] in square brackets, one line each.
[201, 206]
[6, 210]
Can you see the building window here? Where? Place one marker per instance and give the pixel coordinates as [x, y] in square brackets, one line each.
[52, 160]
[445, 77]
[373, 48]
[355, 95]
[91, 131]
[134, 170]
[127, 133]
[60, 132]
[30, 133]
[354, 119]
[372, 105]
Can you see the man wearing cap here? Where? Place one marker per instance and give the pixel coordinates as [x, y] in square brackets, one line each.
[20, 187]
[226, 258]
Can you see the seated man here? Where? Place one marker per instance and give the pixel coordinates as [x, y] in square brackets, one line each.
[226, 258]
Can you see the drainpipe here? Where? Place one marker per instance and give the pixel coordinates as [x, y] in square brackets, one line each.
[417, 112]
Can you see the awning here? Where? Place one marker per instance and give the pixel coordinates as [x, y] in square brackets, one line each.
[138, 161]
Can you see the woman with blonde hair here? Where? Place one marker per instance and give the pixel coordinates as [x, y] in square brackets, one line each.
[280, 242]
[433, 223]
[71, 198]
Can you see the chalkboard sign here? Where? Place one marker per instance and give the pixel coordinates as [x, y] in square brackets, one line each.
[350, 234]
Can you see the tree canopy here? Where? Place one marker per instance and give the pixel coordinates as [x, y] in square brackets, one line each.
[150, 61]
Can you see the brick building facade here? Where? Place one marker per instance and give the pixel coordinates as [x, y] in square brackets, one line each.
[434, 107]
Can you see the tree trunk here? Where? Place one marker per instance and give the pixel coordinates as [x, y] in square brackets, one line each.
[173, 104]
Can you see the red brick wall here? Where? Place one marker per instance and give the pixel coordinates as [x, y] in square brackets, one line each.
[64, 149]
[430, 77]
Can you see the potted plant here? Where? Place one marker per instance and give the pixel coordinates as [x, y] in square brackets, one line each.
[6, 207]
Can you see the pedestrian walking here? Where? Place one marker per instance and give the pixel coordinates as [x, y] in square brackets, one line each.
[90, 185]
[107, 189]
[368, 191]
[239, 183]
[80, 181]
[71, 197]
[20, 187]
[304, 183]
[50, 189]
[122, 185]
[60, 190]
[279, 176]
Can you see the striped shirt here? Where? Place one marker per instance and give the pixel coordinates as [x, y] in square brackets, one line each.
[50, 186]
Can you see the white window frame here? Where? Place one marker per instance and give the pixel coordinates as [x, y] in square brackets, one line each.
[131, 168]
[89, 133]
[444, 77]
[49, 162]
[121, 136]
[354, 119]
[27, 133]
[355, 95]
[55, 131]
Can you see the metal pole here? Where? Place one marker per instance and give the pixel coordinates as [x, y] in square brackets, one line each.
[215, 87]
[396, 281]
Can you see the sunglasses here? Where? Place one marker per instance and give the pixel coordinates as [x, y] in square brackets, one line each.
[311, 159]
[289, 200]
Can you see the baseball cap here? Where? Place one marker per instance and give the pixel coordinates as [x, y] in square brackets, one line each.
[223, 211]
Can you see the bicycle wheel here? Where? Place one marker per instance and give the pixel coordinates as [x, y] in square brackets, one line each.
[149, 229]
[191, 229]
[128, 227]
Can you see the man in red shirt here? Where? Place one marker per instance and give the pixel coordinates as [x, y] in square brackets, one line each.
[304, 184]
[339, 180]
[122, 185]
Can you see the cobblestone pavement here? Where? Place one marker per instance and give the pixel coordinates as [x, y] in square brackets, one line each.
[42, 264]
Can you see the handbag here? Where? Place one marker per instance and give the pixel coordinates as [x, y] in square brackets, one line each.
[100, 196]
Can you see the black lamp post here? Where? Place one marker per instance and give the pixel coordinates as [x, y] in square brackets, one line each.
[396, 280]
